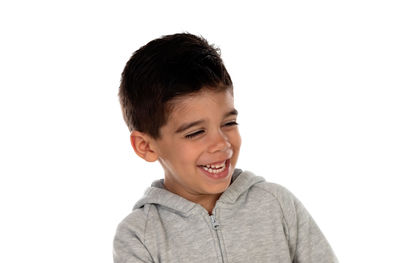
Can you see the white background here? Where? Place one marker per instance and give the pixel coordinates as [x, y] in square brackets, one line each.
[316, 84]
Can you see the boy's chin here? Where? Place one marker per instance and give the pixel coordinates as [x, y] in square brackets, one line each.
[215, 187]
[218, 190]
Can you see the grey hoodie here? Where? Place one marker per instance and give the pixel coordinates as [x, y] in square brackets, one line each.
[253, 221]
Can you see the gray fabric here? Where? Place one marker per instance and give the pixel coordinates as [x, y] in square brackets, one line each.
[256, 221]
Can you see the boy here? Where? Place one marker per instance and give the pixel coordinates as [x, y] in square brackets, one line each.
[177, 100]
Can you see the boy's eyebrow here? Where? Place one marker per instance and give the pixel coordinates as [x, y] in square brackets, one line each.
[186, 126]
[232, 112]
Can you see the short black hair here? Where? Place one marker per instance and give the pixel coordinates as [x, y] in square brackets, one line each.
[165, 68]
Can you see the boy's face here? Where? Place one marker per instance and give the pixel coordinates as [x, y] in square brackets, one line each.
[199, 146]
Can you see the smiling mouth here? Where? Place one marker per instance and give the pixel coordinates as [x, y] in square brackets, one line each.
[215, 168]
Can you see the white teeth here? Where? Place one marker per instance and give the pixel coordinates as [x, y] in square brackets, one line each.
[214, 168]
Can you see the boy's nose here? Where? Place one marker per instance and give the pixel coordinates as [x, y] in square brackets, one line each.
[220, 143]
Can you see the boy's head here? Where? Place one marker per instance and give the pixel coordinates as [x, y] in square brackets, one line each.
[165, 68]
[177, 99]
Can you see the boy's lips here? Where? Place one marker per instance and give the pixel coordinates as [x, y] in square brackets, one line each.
[216, 170]
[215, 164]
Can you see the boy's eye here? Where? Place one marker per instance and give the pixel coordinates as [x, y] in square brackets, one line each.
[231, 123]
[194, 134]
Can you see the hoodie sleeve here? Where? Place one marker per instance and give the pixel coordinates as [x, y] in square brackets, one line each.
[311, 245]
[306, 242]
[128, 247]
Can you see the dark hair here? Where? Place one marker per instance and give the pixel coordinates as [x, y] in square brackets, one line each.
[163, 69]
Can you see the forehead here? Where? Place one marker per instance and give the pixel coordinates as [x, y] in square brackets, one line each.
[201, 103]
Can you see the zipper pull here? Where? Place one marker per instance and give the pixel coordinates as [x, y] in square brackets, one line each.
[214, 223]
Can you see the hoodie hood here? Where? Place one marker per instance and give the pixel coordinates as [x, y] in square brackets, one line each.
[241, 182]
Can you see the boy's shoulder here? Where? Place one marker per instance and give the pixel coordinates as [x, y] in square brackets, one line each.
[134, 223]
[275, 190]
[266, 190]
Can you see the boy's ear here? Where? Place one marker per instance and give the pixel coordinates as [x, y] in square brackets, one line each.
[143, 146]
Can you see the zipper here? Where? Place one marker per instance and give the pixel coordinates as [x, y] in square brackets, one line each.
[215, 226]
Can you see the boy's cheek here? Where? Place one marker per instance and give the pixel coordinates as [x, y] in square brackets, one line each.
[236, 139]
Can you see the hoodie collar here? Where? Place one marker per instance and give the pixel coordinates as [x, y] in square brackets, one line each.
[241, 182]
[156, 194]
